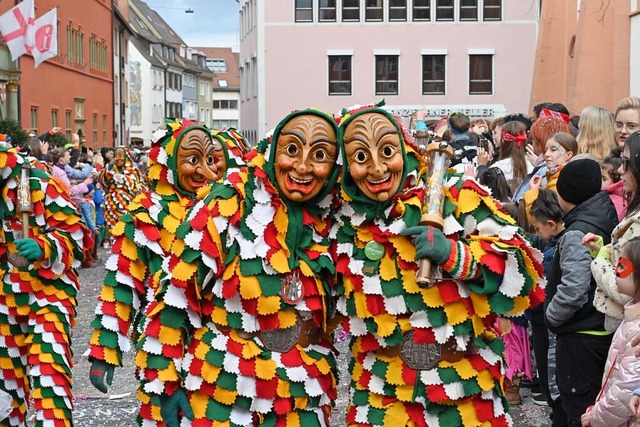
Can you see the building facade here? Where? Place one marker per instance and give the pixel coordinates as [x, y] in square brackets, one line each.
[440, 56]
[588, 53]
[74, 90]
[122, 32]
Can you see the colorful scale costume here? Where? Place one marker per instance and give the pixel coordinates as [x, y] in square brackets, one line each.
[143, 240]
[37, 302]
[241, 244]
[491, 270]
[121, 184]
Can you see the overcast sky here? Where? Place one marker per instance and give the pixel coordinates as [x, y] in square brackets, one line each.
[214, 23]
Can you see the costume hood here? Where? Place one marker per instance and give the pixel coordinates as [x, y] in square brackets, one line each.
[234, 146]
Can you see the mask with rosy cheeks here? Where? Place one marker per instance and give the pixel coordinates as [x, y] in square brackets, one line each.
[305, 156]
[374, 155]
[195, 161]
[220, 159]
[119, 157]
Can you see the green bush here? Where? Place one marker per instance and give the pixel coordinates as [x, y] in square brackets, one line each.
[14, 130]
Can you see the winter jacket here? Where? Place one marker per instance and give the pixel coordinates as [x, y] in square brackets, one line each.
[76, 190]
[570, 285]
[79, 174]
[621, 374]
[607, 298]
[616, 192]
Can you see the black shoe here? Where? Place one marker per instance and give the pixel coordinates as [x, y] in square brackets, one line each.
[527, 383]
[540, 400]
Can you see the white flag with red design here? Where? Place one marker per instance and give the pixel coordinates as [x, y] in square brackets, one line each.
[16, 26]
[46, 37]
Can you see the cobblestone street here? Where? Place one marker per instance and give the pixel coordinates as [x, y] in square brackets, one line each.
[118, 407]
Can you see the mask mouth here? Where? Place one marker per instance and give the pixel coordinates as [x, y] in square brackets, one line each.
[294, 183]
[376, 186]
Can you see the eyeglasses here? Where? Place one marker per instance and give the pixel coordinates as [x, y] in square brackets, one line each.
[624, 268]
[631, 127]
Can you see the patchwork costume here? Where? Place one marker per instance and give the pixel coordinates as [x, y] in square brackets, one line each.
[37, 301]
[250, 298]
[427, 356]
[144, 237]
[120, 184]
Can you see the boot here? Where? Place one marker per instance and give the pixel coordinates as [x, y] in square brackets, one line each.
[512, 393]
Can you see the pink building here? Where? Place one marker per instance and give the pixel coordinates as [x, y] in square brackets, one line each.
[441, 56]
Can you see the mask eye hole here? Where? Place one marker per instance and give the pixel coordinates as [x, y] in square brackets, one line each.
[624, 268]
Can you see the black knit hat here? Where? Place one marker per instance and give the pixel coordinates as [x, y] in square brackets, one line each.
[579, 180]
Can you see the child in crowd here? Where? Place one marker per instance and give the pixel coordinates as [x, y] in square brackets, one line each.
[98, 200]
[622, 371]
[612, 182]
[581, 338]
[545, 216]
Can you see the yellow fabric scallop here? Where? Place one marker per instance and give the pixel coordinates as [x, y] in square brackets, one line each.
[405, 393]
[184, 271]
[480, 304]
[465, 369]
[201, 351]
[138, 270]
[360, 302]
[169, 335]
[394, 371]
[486, 381]
[219, 316]
[268, 305]
[468, 201]
[169, 374]
[456, 312]
[520, 304]
[468, 413]
[395, 414]
[265, 369]
[388, 268]
[281, 221]
[431, 297]
[282, 389]
[226, 397]
[250, 287]
[228, 207]
[210, 373]
[250, 350]
[118, 229]
[386, 324]
[199, 402]
[364, 235]
[286, 319]
[406, 250]
[129, 249]
[171, 223]
[280, 261]
[123, 311]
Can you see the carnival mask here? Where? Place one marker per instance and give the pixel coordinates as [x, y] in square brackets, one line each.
[195, 161]
[220, 159]
[374, 155]
[119, 157]
[305, 156]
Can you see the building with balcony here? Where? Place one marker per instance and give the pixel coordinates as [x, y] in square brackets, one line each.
[441, 56]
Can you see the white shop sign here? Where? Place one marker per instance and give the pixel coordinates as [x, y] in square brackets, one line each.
[438, 111]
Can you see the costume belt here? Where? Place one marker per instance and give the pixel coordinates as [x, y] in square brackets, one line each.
[303, 332]
[422, 357]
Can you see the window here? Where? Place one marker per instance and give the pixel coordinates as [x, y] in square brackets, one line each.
[422, 10]
[222, 83]
[444, 10]
[327, 10]
[304, 11]
[492, 10]
[350, 10]
[202, 89]
[70, 40]
[95, 129]
[54, 118]
[225, 104]
[104, 129]
[80, 47]
[468, 10]
[433, 74]
[340, 75]
[480, 74]
[217, 65]
[397, 10]
[67, 124]
[386, 74]
[373, 10]
[34, 119]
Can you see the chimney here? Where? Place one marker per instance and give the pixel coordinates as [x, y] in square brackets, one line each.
[123, 8]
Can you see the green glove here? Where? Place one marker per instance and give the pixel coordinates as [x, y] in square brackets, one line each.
[605, 253]
[171, 405]
[97, 372]
[430, 243]
[29, 248]
[599, 243]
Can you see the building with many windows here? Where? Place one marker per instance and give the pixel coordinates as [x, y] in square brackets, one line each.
[225, 88]
[474, 56]
[74, 90]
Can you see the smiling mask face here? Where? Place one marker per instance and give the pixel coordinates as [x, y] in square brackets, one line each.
[374, 155]
[195, 161]
[305, 156]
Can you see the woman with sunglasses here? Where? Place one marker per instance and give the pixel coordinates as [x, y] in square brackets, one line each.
[622, 370]
[607, 299]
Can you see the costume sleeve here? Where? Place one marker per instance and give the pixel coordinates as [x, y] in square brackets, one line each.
[612, 409]
[573, 290]
[58, 228]
[124, 287]
[177, 310]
